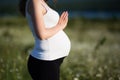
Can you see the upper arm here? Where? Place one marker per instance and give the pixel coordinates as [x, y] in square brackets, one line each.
[36, 12]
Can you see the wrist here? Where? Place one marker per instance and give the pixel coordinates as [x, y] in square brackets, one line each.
[59, 27]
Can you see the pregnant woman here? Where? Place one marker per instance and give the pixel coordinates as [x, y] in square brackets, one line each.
[51, 43]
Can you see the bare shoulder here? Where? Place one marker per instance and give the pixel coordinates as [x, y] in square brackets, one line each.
[34, 5]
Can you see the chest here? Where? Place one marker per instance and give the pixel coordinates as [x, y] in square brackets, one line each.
[51, 18]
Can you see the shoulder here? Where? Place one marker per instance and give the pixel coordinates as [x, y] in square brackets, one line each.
[34, 5]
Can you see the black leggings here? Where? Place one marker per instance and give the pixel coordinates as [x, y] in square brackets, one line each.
[44, 70]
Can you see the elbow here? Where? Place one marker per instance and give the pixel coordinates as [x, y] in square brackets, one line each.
[42, 36]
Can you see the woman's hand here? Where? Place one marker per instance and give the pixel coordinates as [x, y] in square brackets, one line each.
[62, 23]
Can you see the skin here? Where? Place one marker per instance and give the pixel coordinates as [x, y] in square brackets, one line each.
[37, 11]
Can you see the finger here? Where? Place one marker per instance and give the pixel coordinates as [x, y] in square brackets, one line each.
[62, 14]
[66, 19]
[61, 17]
[65, 15]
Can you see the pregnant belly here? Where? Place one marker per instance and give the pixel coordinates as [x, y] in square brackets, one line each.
[60, 43]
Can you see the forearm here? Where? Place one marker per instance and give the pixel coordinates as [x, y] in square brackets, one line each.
[49, 32]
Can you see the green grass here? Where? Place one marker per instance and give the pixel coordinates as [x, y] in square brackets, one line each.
[95, 52]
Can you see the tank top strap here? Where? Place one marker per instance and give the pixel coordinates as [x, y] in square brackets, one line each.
[45, 6]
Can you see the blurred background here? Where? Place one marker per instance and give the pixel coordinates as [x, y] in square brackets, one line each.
[94, 31]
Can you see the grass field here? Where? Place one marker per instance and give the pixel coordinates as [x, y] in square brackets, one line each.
[95, 52]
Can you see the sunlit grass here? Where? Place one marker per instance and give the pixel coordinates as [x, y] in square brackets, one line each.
[95, 52]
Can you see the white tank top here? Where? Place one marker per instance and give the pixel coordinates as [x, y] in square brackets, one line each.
[55, 47]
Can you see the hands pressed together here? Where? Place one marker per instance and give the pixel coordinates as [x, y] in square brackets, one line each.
[63, 20]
